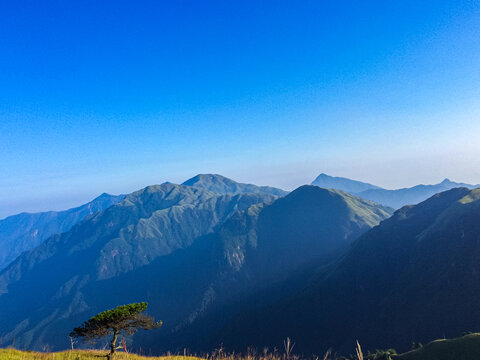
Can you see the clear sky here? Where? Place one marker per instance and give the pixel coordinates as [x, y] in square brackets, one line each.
[111, 96]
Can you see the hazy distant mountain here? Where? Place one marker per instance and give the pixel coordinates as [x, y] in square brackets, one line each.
[186, 250]
[341, 183]
[223, 185]
[392, 198]
[415, 277]
[410, 196]
[24, 231]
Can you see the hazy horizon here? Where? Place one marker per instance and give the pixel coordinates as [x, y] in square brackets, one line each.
[268, 93]
[64, 203]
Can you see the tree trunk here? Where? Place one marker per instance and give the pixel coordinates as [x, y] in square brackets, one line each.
[113, 344]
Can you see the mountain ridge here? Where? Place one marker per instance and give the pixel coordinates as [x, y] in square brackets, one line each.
[24, 231]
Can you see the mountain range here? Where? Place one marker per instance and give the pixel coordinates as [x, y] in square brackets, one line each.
[392, 198]
[238, 265]
[25, 231]
[186, 250]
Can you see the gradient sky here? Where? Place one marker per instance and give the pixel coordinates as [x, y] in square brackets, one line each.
[111, 96]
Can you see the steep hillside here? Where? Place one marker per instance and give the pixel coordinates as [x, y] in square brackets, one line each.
[412, 278]
[307, 226]
[264, 248]
[463, 348]
[22, 232]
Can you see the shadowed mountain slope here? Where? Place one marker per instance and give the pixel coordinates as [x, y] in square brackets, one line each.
[410, 196]
[415, 277]
[22, 232]
[257, 251]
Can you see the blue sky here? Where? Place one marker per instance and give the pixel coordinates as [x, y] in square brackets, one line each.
[111, 96]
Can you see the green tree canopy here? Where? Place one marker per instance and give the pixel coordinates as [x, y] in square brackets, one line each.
[127, 318]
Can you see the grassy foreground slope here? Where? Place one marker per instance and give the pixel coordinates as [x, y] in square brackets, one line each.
[12, 354]
[463, 348]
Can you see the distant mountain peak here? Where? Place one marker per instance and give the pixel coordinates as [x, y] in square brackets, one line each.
[341, 183]
[211, 176]
[208, 179]
[223, 185]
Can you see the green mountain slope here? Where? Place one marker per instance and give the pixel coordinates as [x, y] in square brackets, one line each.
[463, 348]
[412, 278]
[22, 232]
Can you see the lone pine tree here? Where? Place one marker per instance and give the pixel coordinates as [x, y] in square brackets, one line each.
[127, 318]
